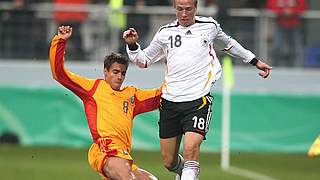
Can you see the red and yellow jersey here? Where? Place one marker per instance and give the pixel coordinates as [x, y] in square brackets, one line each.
[109, 112]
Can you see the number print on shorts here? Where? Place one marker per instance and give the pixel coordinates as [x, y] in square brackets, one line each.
[177, 41]
[199, 123]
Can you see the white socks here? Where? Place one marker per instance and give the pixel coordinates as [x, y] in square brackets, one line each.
[190, 170]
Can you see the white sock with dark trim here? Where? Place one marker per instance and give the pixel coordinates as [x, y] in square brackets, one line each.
[190, 170]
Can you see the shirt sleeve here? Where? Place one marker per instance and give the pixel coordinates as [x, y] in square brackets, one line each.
[232, 47]
[76, 83]
[146, 100]
[153, 53]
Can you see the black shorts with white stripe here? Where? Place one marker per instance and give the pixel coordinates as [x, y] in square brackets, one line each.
[177, 118]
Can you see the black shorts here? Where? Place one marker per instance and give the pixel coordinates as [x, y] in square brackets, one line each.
[176, 118]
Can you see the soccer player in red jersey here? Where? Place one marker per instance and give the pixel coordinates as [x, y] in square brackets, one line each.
[109, 109]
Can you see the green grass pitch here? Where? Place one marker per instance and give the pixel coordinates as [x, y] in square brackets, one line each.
[55, 163]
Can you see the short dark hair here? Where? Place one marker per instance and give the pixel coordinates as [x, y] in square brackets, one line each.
[115, 58]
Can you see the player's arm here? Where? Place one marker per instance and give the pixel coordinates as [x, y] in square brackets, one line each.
[146, 100]
[72, 81]
[264, 67]
[57, 50]
[234, 49]
[142, 58]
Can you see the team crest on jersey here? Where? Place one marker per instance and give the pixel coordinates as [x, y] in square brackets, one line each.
[204, 40]
[132, 99]
[125, 106]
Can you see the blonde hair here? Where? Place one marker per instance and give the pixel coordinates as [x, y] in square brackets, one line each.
[194, 1]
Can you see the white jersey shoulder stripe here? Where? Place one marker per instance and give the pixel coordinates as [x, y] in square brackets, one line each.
[200, 19]
[175, 24]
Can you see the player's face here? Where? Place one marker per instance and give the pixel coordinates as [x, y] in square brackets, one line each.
[115, 75]
[185, 12]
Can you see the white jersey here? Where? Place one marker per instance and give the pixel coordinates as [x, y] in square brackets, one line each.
[192, 64]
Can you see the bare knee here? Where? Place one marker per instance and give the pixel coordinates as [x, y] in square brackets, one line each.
[118, 168]
[192, 142]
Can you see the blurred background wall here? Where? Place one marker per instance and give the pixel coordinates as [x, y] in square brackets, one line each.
[28, 25]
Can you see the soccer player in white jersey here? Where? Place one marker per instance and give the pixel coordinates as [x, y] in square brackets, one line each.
[192, 67]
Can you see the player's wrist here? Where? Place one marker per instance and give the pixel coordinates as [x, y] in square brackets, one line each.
[133, 47]
[254, 61]
[62, 37]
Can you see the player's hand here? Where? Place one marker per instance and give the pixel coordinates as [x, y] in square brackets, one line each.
[65, 32]
[265, 68]
[130, 36]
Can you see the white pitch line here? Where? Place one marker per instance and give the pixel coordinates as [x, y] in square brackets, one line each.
[248, 174]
